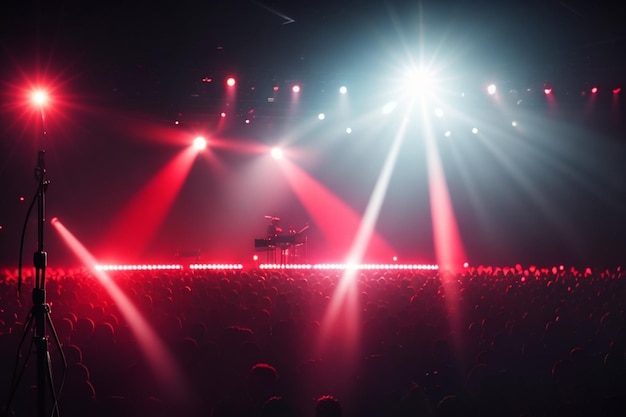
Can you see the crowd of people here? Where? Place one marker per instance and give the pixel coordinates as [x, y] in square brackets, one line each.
[492, 342]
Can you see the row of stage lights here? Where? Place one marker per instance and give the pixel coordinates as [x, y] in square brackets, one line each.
[426, 88]
[491, 89]
[226, 266]
[231, 82]
[548, 91]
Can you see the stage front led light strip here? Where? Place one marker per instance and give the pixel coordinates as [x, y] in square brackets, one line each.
[137, 267]
[341, 267]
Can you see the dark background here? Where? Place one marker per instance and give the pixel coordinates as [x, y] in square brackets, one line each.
[551, 193]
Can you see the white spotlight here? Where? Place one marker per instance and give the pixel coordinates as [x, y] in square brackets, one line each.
[491, 89]
[389, 107]
[514, 123]
[321, 116]
[343, 89]
[474, 130]
[419, 82]
[348, 130]
[277, 153]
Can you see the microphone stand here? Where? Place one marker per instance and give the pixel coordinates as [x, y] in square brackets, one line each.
[39, 316]
[41, 309]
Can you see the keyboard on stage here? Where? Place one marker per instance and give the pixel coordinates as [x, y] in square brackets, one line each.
[280, 240]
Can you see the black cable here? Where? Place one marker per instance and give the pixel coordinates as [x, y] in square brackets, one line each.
[21, 255]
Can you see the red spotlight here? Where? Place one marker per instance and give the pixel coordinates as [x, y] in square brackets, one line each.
[199, 143]
[39, 97]
[617, 90]
[223, 114]
[594, 90]
[230, 81]
[547, 91]
[295, 88]
[276, 88]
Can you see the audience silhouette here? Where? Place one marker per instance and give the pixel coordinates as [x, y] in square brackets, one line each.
[518, 342]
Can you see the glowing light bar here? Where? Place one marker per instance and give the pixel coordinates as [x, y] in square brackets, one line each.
[342, 267]
[276, 266]
[137, 267]
[215, 266]
[285, 266]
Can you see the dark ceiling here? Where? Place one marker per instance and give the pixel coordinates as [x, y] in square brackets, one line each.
[103, 43]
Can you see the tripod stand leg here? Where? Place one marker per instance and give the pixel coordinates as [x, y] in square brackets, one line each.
[55, 393]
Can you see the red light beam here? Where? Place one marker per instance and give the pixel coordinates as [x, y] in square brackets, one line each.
[160, 360]
[144, 214]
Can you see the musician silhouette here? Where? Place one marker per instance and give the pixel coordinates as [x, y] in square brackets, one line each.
[274, 229]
